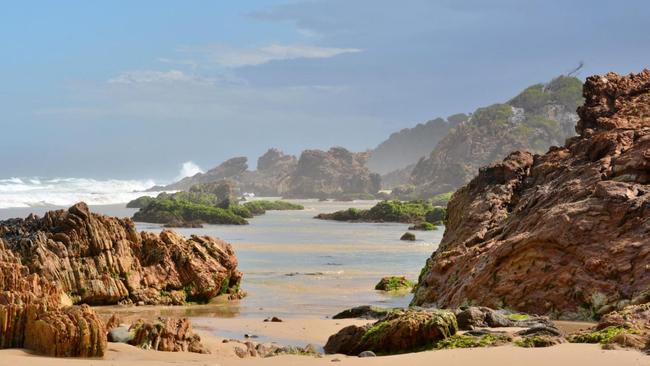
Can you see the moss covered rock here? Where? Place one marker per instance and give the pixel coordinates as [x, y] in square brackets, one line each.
[408, 237]
[401, 331]
[394, 283]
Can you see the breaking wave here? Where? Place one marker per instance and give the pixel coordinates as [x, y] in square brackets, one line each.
[30, 192]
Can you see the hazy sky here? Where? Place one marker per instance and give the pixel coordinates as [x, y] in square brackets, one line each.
[132, 89]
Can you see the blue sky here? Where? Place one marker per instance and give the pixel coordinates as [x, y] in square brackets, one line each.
[132, 89]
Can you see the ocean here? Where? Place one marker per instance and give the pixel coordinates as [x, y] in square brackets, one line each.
[293, 265]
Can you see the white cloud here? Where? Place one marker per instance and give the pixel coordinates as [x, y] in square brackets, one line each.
[153, 76]
[227, 56]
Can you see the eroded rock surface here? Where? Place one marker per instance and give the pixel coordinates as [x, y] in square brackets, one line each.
[34, 315]
[100, 260]
[565, 233]
[167, 335]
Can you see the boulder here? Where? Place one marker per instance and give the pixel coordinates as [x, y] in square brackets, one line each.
[364, 312]
[407, 237]
[400, 331]
[394, 283]
[167, 335]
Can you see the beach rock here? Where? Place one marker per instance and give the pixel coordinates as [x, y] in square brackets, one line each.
[538, 341]
[480, 316]
[394, 283]
[102, 260]
[400, 331]
[364, 312]
[407, 237]
[33, 315]
[72, 331]
[563, 233]
[625, 328]
[167, 335]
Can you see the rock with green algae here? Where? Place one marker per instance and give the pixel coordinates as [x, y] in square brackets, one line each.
[408, 237]
[626, 328]
[401, 331]
[394, 283]
[473, 341]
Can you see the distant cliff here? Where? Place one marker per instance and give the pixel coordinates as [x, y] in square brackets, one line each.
[541, 116]
[410, 144]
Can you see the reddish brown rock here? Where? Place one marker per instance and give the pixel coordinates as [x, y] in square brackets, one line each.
[100, 260]
[31, 315]
[562, 233]
[73, 331]
[168, 335]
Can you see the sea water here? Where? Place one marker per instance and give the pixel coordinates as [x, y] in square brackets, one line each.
[298, 266]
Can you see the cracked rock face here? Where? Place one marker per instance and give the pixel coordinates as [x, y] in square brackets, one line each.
[101, 260]
[33, 315]
[566, 232]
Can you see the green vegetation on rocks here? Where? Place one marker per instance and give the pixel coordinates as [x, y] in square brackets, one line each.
[469, 341]
[602, 336]
[198, 206]
[394, 283]
[140, 202]
[391, 211]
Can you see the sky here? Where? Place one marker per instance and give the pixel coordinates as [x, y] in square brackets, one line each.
[134, 89]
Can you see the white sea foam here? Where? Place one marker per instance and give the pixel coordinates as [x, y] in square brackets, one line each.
[32, 191]
[188, 169]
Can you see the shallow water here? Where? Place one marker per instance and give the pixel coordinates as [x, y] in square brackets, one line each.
[295, 265]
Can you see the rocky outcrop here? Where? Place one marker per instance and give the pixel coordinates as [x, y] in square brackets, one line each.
[34, 315]
[565, 233]
[541, 116]
[230, 169]
[625, 328]
[272, 176]
[167, 335]
[331, 173]
[102, 260]
[398, 332]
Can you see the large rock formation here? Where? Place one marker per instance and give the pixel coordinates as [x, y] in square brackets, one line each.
[331, 173]
[33, 315]
[562, 233]
[272, 176]
[101, 260]
[541, 116]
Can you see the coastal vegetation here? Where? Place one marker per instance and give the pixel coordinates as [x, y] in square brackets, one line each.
[198, 206]
[414, 212]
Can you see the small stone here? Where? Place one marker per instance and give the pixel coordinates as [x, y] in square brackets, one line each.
[367, 354]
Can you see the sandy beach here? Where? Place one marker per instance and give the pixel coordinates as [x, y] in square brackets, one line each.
[222, 354]
[296, 331]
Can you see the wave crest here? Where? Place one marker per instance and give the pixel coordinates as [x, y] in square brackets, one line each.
[30, 192]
